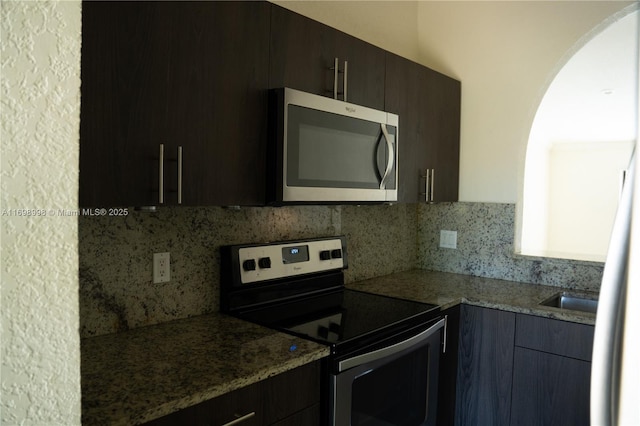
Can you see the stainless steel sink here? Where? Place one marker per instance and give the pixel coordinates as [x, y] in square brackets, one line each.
[572, 301]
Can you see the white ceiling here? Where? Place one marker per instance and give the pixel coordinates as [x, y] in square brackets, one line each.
[593, 98]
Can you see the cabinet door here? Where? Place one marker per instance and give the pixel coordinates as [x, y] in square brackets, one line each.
[552, 372]
[428, 104]
[405, 92]
[218, 98]
[123, 101]
[303, 52]
[442, 134]
[485, 365]
[549, 389]
[182, 74]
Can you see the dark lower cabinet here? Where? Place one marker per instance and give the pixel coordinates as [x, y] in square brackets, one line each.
[485, 366]
[519, 370]
[551, 372]
[549, 389]
[291, 398]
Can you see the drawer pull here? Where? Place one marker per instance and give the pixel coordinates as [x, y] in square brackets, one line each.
[240, 419]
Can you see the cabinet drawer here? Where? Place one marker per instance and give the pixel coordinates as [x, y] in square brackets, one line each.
[275, 399]
[554, 336]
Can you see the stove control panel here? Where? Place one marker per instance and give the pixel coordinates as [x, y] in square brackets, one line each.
[287, 259]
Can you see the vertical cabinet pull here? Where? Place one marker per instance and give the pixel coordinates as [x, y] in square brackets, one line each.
[335, 78]
[179, 175]
[161, 176]
[344, 83]
[336, 72]
[433, 179]
[429, 179]
[240, 419]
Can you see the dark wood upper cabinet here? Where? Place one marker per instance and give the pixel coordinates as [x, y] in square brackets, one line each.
[303, 52]
[428, 104]
[194, 77]
[183, 74]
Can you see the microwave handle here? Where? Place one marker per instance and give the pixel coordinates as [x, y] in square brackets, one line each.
[391, 154]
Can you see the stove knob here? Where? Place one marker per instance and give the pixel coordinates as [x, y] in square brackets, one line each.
[264, 262]
[325, 255]
[249, 265]
[336, 254]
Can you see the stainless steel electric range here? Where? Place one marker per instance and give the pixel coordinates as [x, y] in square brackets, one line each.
[383, 367]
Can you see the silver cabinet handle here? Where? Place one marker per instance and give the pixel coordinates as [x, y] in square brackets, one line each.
[240, 419]
[426, 185]
[433, 179]
[344, 86]
[429, 177]
[179, 175]
[335, 78]
[161, 176]
[387, 139]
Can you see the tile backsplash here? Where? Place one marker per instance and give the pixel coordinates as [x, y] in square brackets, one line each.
[117, 292]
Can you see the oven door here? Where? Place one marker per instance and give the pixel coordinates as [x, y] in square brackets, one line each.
[394, 385]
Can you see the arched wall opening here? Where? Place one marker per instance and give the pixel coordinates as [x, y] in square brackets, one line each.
[580, 142]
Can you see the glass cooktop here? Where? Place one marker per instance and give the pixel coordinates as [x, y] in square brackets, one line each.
[343, 316]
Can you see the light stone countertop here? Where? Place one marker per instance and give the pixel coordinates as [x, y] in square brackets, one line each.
[148, 372]
[447, 290]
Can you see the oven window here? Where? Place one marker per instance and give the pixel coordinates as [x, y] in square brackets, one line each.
[394, 393]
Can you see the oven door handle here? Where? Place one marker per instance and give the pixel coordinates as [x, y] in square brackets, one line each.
[390, 350]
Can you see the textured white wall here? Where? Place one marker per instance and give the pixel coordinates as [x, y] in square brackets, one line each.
[40, 80]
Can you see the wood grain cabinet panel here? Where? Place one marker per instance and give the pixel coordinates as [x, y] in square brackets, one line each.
[485, 366]
[182, 74]
[551, 372]
[303, 52]
[428, 104]
[549, 390]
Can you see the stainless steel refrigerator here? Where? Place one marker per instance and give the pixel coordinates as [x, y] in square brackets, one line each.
[615, 371]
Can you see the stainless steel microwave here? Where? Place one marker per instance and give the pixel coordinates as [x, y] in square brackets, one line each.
[324, 150]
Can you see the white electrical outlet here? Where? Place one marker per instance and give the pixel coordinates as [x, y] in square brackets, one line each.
[449, 239]
[161, 268]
